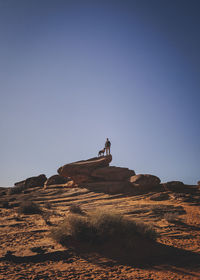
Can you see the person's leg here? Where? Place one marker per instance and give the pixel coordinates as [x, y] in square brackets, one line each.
[109, 150]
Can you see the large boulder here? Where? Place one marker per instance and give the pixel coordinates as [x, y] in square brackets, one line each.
[175, 186]
[80, 171]
[111, 187]
[56, 180]
[112, 173]
[36, 181]
[146, 181]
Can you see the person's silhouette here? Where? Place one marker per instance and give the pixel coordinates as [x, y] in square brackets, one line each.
[107, 146]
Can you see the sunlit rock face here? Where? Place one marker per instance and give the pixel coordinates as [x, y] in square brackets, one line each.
[81, 171]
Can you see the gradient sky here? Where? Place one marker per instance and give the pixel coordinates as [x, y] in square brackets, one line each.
[73, 73]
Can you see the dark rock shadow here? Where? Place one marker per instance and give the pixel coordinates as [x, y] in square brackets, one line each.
[186, 226]
[52, 256]
[147, 255]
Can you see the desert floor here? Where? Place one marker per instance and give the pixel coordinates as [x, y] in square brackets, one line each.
[27, 250]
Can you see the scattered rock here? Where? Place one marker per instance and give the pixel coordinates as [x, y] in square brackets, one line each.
[112, 173]
[36, 181]
[56, 179]
[174, 186]
[3, 191]
[146, 180]
[4, 204]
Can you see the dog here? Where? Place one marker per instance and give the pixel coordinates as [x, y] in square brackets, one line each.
[101, 152]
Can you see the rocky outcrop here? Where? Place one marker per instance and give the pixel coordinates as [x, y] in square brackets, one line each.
[81, 171]
[56, 180]
[144, 180]
[36, 181]
[96, 175]
[112, 173]
[111, 187]
[174, 186]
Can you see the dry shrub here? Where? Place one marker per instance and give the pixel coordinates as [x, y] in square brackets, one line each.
[100, 227]
[76, 209]
[171, 217]
[16, 189]
[4, 204]
[48, 205]
[29, 207]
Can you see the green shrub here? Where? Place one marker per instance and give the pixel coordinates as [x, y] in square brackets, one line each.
[99, 227]
[29, 207]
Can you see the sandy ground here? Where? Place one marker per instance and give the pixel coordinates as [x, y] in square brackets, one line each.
[27, 250]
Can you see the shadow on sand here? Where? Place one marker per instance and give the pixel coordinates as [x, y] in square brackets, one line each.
[53, 256]
[147, 254]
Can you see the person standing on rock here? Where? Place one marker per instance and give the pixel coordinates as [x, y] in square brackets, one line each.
[107, 146]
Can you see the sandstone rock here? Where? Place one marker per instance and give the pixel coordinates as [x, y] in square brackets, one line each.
[198, 183]
[56, 179]
[70, 184]
[111, 187]
[145, 180]
[160, 197]
[174, 186]
[36, 181]
[112, 173]
[80, 171]
[20, 184]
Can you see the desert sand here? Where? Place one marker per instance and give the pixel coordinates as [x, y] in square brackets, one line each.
[27, 250]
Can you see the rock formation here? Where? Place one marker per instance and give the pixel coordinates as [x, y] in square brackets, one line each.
[81, 171]
[111, 187]
[96, 174]
[113, 173]
[36, 181]
[56, 179]
[174, 186]
[146, 180]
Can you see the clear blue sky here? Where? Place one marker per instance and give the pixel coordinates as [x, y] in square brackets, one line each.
[75, 72]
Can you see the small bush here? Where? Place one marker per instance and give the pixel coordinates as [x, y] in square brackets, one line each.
[98, 227]
[29, 207]
[4, 204]
[16, 190]
[47, 205]
[171, 217]
[76, 209]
